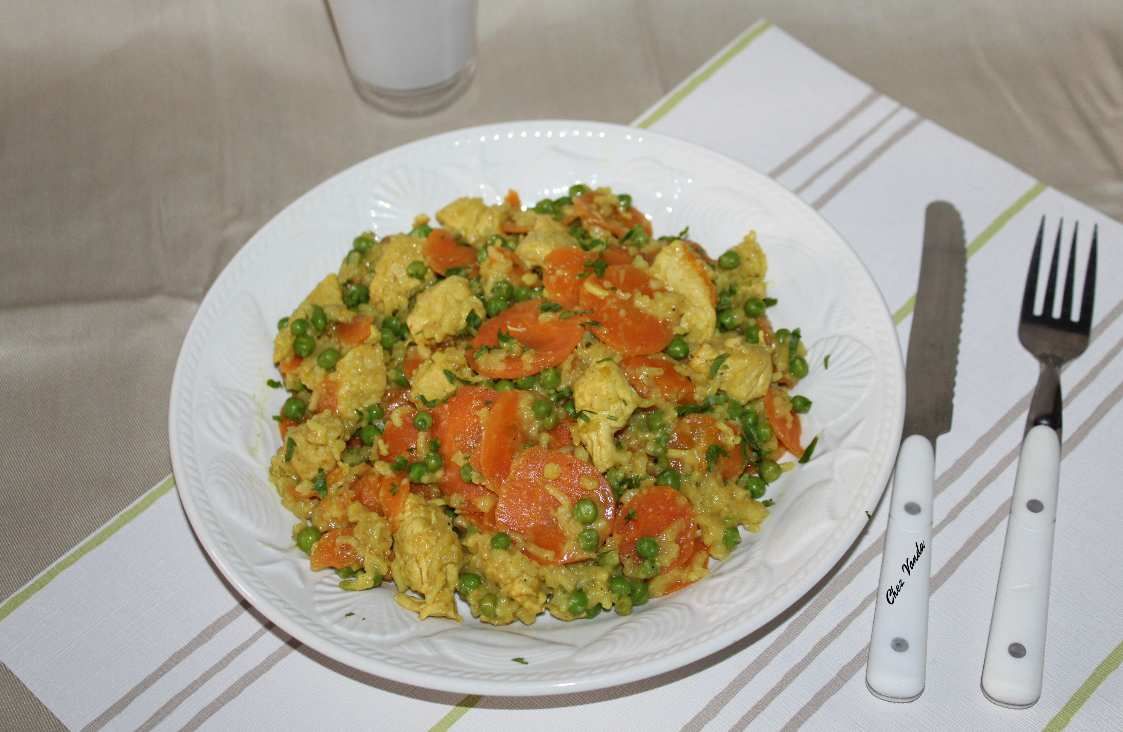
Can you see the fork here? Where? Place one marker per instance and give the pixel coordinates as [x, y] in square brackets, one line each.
[1015, 654]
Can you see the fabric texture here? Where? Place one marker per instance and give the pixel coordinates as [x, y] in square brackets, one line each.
[142, 145]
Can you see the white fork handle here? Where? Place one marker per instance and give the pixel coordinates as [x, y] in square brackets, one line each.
[899, 642]
[1015, 656]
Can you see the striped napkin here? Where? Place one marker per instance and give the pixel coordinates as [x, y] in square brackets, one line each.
[133, 629]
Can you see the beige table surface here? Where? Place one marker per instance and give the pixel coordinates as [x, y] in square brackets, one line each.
[142, 143]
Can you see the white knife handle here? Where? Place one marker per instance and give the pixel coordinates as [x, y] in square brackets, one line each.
[1015, 657]
[899, 643]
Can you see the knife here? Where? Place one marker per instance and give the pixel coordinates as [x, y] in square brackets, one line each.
[899, 641]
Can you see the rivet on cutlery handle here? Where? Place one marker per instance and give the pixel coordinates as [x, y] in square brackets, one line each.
[1015, 657]
[898, 653]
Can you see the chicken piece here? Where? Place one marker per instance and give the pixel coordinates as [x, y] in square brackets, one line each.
[603, 394]
[317, 445]
[516, 580]
[472, 219]
[682, 272]
[328, 295]
[496, 267]
[391, 286]
[360, 378]
[754, 265]
[372, 539]
[441, 311]
[427, 558]
[744, 374]
[546, 235]
[431, 383]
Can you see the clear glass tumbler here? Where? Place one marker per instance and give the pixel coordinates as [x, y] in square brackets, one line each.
[408, 57]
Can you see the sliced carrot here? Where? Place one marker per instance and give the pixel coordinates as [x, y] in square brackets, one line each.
[368, 491]
[786, 427]
[512, 199]
[627, 278]
[473, 495]
[655, 375]
[527, 504]
[457, 422]
[617, 222]
[562, 435]
[442, 252]
[401, 439]
[502, 437]
[699, 432]
[392, 495]
[290, 364]
[411, 361]
[652, 512]
[355, 332]
[562, 275]
[623, 326]
[617, 255]
[285, 425]
[510, 227]
[327, 396]
[329, 552]
[548, 342]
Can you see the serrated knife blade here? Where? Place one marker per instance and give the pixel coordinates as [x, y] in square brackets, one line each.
[895, 669]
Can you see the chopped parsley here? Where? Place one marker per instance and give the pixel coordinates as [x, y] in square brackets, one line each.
[767, 503]
[549, 307]
[320, 483]
[273, 383]
[827, 361]
[713, 454]
[473, 320]
[584, 414]
[715, 366]
[520, 659]
[770, 301]
[290, 448]
[809, 450]
[630, 515]
[598, 265]
[347, 615]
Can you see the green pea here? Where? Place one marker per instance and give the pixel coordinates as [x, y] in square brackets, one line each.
[400, 464]
[319, 319]
[609, 559]
[397, 377]
[501, 541]
[346, 572]
[542, 408]
[550, 378]
[504, 385]
[354, 455]
[387, 339]
[623, 606]
[769, 471]
[355, 295]
[527, 382]
[588, 539]
[751, 331]
[434, 462]
[550, 422]
[327, 359]
[395, 325]
[750, 418]
[363, 242]
[578, 603]
[489, 605]
[503, 289]
[801, 404]
[729, 260]
[469, 583]
[303, 345]
[640, 593]
[545, 206]
[648, 568]
[727, 319]
[731, 537]
[677, 348]
[375, 412]
[754, 307]
[653, 421]
[423, 421]
[578, 189]
[417, 269]
[306, 538]
[620, 585]
[670, 477]
[282, 323]
[585, 511]
[293, 409]
[798, 367]
[625, 200]
[782, 336]
[422, 231]
[762, 433]
[647, 547]
[522, 294]
[467, 474]
[496, 305]
[754, 484]
[593, 612]
[368, 434]
[299, 327]
[417, 472]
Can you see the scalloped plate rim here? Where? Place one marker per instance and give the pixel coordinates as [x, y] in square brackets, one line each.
[815, 570]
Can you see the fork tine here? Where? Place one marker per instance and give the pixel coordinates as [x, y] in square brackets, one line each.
[1088, 299]
[1031, 276]
[1070, 277]
[1051, 284]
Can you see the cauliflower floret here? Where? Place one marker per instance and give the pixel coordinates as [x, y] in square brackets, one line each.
[391, 286]
[472, 219]
[683, 273]
[327, 295]
[545, 236]
[430, 382]
[746, 372]
[317, 445]
[426, 561]
[607, 398]
[360, 380]
[442, 310]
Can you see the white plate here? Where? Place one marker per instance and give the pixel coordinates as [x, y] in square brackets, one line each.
[222, 435]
